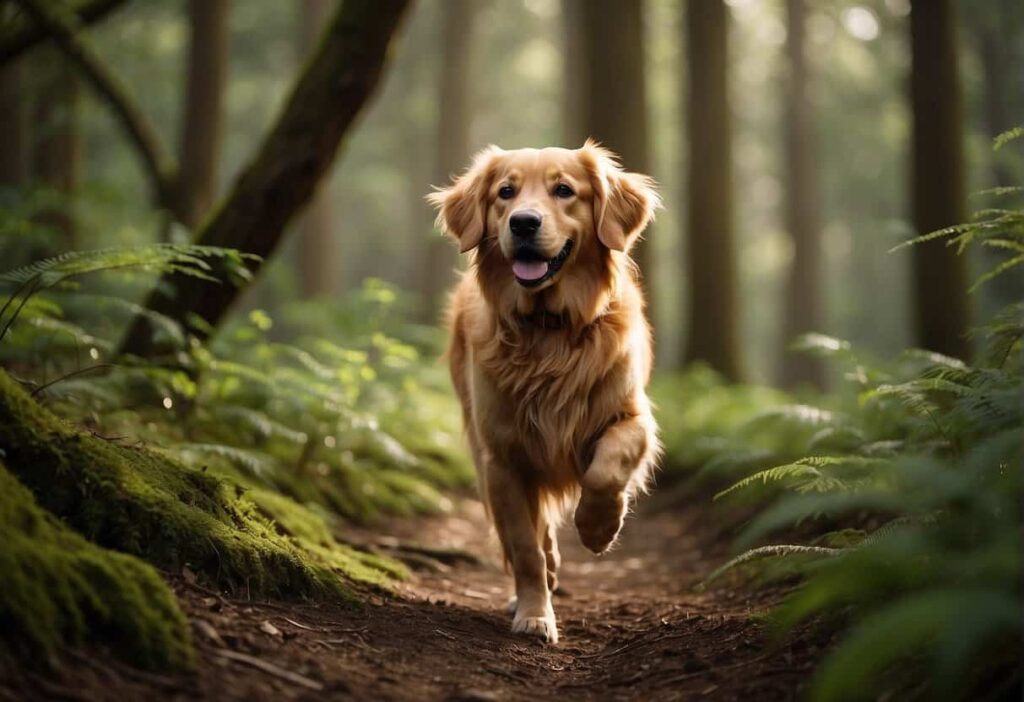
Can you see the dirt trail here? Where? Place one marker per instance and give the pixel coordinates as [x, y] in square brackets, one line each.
[631, 626]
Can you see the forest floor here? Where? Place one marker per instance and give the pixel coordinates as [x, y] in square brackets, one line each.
[631, 625]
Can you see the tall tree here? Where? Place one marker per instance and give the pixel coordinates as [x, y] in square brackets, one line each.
[803, 303]
[711, 258]
[56, 150]
[336, 83]
[453, 148]
[203, 118]
[318, 250]
[574, 74]
[941, 306]
[613, 88]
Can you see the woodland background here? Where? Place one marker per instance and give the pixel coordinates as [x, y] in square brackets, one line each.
[837, 378]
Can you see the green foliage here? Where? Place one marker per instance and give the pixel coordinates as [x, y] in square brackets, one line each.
[899, 499]
[58, 589]
[136, 501]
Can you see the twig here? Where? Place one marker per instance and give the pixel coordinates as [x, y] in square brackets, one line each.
[302, 626]
[72, 374]
[270, 669]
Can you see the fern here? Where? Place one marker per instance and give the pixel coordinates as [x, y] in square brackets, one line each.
[773, 551]
[188, 260]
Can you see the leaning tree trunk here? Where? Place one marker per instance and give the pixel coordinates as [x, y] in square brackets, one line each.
[201, 134]
[453, 149]
[317, 248]
[942, 312]
[711, 258]
[280, 180]
[802, 309]
[614, 91]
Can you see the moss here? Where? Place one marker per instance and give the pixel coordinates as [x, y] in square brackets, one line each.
[311, 530]
[56, 587]
[132, 500]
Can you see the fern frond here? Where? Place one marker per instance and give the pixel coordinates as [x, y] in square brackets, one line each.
[1006, 137]
[774, 551]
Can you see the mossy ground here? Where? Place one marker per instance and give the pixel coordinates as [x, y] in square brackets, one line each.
[130, 499]
[56, 588]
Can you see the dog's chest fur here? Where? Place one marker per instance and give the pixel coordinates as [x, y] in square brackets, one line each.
[553, 392]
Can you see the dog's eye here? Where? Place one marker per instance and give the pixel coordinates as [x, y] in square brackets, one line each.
[506, 192]
[562, 190]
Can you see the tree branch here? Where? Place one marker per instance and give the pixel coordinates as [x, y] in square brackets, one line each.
[335, 85]
[24, 37]
[62, 26]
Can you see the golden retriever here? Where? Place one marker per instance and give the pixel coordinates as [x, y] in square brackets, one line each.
[550, 351]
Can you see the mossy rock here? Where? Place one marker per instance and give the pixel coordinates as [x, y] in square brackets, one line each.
[130, 499]
[57, 588]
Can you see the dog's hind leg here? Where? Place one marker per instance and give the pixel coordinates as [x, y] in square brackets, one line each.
[514, 506]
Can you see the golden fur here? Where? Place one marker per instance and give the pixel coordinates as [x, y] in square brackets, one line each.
[552, 414]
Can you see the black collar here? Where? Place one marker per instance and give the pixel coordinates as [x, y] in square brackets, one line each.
[542, 319]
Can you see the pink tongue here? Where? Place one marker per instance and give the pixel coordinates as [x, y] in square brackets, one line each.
[530, 270]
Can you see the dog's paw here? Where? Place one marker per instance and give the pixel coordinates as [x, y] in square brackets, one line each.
[542, 627]
[512, 605]
[599, 518]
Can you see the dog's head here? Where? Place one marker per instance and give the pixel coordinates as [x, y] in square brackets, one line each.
[542, 214]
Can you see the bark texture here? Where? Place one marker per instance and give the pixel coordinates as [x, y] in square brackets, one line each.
[942, 311]
[711, 275]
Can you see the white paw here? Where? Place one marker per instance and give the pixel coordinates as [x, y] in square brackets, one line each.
[513, 603]
[542, 627]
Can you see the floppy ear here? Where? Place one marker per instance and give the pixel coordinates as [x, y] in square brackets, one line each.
[624, 203]
[462, 206]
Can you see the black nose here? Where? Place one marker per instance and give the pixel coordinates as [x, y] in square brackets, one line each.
[524, 224]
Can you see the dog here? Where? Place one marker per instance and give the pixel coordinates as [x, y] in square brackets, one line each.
[550, 351]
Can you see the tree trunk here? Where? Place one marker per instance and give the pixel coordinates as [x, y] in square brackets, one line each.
[318, 250]
[57, 151]
[282, 177]
[712, 262]
[574, 74]
[614, 90]
[203, 120]
[802, 310]
[453, 148]
[939, 274]
[13, 126]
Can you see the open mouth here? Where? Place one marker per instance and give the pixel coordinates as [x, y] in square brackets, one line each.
[531, 270]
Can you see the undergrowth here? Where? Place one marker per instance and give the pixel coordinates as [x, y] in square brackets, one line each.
[898, 498]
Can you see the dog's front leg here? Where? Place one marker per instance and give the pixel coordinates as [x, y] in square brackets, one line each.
[625, 448]
[514, 505]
